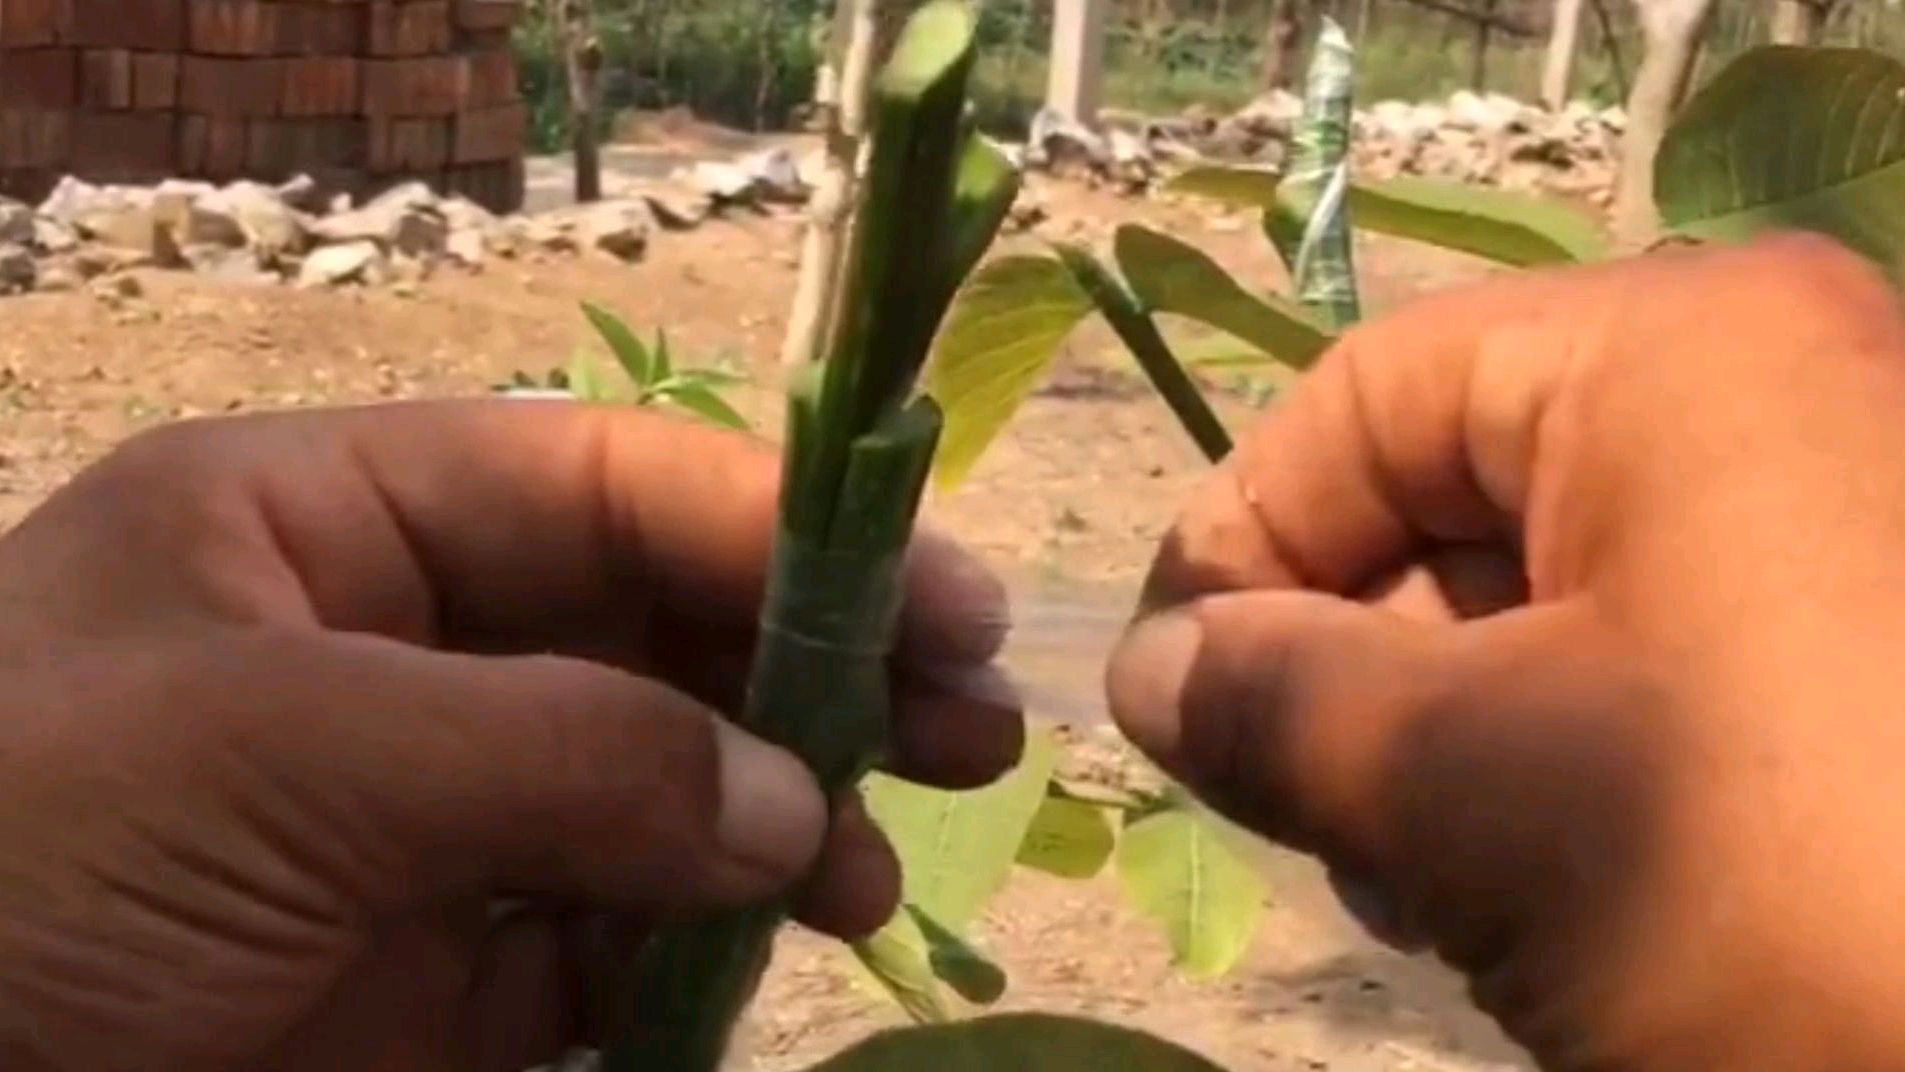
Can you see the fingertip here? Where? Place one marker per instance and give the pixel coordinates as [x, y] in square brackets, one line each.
[772, 816]
[1147, 677]
[856, 883]
[959, 730]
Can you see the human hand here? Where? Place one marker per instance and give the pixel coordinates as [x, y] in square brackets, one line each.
[291, 702]
[1565, 613]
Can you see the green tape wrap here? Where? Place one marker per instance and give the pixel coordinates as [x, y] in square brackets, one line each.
[832, 601]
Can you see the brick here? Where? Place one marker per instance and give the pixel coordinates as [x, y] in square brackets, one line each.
[408, 27]
[319, 85]
[473, 41]
[124, 144]
[280, 148]
[492, 79]
[155, 81]
[39, 78]
[311, 29]
[32, 23]
[491, 134]
[105, 79]
[429, 86]
[211, 146]
[499, 187]
[30, 185]
[35, 137]
[408, 145]
[230, 87]
[487, 15]
[233, 27]
[144, 25]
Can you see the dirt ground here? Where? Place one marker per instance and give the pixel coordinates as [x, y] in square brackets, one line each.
[1070, 503]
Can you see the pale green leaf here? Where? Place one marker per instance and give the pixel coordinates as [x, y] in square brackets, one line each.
[704, 403]
[1068, 838]
[897, 961]
[1176, 870]
[1792, 138]
[1310, 224]
[662, 367]
[1172, 276]
[1503, 226]
[954, 960]
[629, 351]
[1239, 187]
[1020, 1043]
[1000, 339]
[956, 849]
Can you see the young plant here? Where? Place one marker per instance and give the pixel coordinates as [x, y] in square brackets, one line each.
[649, 376]
[1010, 323]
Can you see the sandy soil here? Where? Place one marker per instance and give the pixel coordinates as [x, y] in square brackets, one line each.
[1071, 502]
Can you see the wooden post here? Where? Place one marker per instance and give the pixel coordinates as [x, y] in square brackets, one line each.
[1078, 59]
[582, 61]
[1557, 70]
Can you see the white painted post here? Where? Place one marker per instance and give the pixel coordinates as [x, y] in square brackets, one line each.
[1078, 59]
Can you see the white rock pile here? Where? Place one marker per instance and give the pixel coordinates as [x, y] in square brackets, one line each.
[250, 232]
[1491, 139]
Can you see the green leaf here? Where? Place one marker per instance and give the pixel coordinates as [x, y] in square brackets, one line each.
[1239, 187]
[1172, 276]
[628, 350]
[1068, 838]
[1000, 339]
[663, 367]
[956, 849]
[1021, 1043]
[703, 402]
[971, 975]
[1503, 226]
[897, 960]
[1792, 138]
[584, 382]
[1176, 870]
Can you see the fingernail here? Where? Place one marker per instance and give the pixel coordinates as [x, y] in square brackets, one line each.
[1148, 672]
[987, 684]
[772, 814]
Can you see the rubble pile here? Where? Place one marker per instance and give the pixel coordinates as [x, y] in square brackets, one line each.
[251, 232]
[1488, 139]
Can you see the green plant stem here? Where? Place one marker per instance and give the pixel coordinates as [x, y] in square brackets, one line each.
[1139, 333]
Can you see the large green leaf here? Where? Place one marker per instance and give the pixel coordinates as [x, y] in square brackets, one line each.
[957, 849]
[1508, 227]
[1000, 339]
[1171, 276]
[1792, 138]
[1239, 187]
[1176, 870]
[1069, 838]
[1022, 1043]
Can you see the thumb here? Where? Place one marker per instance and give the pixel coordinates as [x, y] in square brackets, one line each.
[441, 775]
[1470, 770]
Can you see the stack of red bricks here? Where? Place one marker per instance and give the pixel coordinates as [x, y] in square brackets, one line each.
[358, 94]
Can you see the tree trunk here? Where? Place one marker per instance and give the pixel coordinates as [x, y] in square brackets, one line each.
[1078, 58]
[1281, 42]
[1557, 70]
[1799, 22]
[1672, 30]
[582, 61]
[840, 95]
[1478, 70]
